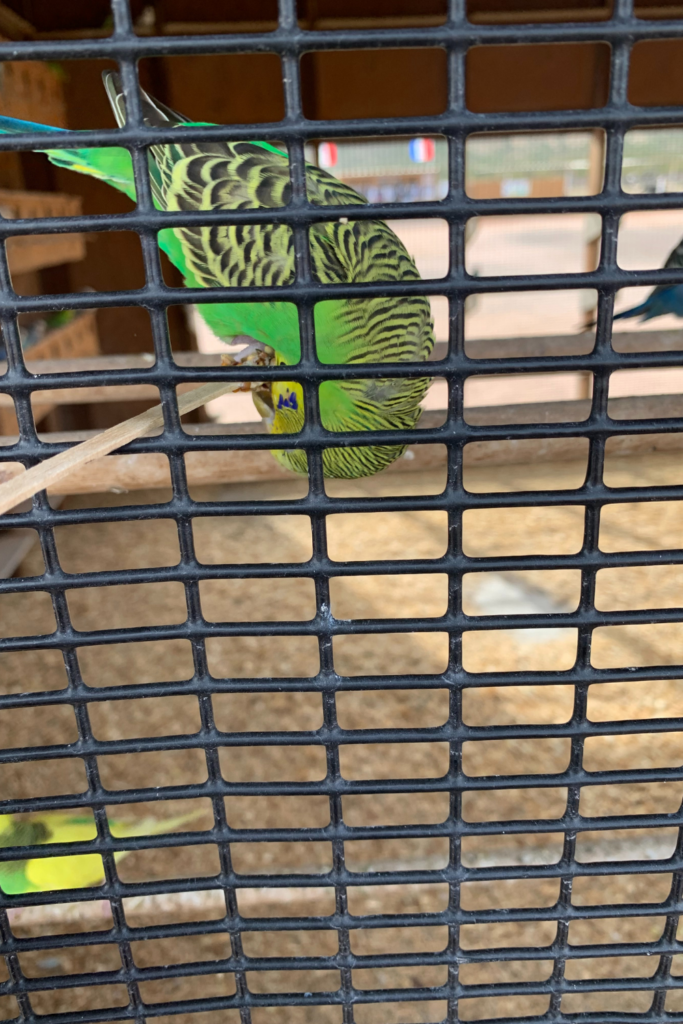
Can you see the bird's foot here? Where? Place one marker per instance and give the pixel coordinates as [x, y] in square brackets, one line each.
[254, 353]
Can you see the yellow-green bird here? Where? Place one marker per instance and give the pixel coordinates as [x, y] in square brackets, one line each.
[73, 871]
[229, 176]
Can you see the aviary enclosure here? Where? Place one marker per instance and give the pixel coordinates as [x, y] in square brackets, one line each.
[338, 745]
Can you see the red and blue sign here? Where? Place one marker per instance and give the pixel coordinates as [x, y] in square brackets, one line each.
[422, 151]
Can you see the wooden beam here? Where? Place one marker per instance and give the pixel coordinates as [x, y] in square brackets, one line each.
[484, 348]
[15, 545]
[136, 472]
[479, 17]
[96, 363]
[13, 26]
[577, 344]
[509, 77]
[94, 395]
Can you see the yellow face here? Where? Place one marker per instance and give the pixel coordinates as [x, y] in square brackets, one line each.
[288, 405]
[287, 396]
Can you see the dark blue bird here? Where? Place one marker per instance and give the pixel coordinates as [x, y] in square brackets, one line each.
[665, 298]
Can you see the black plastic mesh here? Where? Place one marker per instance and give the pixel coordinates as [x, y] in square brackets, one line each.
[659, 919]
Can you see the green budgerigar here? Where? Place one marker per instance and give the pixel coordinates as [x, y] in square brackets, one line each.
[71, 871]
[249, 175]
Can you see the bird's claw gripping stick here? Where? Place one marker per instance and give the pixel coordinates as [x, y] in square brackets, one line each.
[47, 473]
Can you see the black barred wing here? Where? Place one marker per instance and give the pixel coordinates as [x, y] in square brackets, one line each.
[238, 176]
[382, 329]
[233, 177]
[250, 176]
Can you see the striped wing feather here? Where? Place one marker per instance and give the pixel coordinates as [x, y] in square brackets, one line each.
[245, 175]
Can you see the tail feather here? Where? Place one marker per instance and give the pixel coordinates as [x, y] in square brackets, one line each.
[112, 85]
[155, 113]
[108, 163]
[13, 126]
[642, 309]
[111, 164]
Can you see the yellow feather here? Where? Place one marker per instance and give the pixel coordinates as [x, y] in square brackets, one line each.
[51, 873]
[78, 871]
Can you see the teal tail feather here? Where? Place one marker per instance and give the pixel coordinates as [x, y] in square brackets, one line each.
[107, 163]
[13, 126]
[111, 164]
[643, 309]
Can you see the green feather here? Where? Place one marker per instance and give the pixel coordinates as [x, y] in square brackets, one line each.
[111, 164]
[221, 176]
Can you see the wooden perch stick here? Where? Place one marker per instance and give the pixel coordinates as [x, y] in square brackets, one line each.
[48, 472]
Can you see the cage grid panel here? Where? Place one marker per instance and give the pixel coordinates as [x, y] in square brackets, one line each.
[457, 35]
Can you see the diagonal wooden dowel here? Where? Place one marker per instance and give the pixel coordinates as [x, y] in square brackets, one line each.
[48, 472]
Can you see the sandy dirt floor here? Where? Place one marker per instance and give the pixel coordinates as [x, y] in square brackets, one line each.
[638, 526]
[539, 244]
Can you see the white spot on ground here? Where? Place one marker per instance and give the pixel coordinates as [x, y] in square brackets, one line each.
[507, 594]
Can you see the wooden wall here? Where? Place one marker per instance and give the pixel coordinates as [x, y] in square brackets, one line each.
[227, 89]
